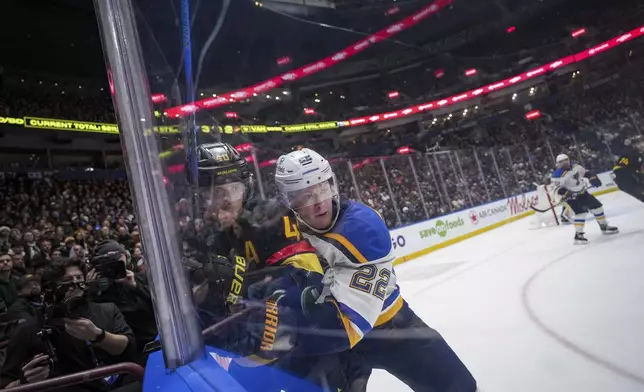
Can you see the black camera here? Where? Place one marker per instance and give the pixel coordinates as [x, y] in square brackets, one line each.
[64, 305]
[109, 265]
[75, 307]
[112, 270]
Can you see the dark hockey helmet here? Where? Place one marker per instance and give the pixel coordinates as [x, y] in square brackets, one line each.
[219, 163]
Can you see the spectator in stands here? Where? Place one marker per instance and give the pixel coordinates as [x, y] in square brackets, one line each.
[46, 248]
[68, 249]
[4, 237]
[19, 268]
[28, 305]
[79, 253]
[8, 293]
[32, 251]
[124, 236]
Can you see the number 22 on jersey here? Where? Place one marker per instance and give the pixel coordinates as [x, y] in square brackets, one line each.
[363, 279]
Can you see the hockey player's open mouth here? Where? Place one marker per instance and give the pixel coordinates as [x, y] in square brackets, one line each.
[322, 214]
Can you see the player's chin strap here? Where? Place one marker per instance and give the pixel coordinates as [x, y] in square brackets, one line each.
[336, 214]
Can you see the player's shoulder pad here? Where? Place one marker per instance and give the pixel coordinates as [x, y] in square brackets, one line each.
[362, 231]
[558, 173]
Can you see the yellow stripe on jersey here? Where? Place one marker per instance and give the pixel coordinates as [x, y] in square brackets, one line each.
[305, 261]
[347, 244]
[352, 334]
[390, 313]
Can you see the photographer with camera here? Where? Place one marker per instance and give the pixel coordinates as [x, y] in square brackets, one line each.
[110, 281]
[74, 334]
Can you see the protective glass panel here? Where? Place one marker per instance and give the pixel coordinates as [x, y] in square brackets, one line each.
[473, 180]
[539, 154]
[522, 171]
[452, 181]
[405, 189]
[507, 170]
[343, 172]
[373, 188]
[434, 198]
[492, 174]
[267, 178]
[200, 100]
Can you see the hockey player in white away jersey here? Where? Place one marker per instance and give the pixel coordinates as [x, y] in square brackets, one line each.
[569, 180]
[355, 248]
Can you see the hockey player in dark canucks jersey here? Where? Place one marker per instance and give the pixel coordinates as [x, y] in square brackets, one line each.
[628, 170]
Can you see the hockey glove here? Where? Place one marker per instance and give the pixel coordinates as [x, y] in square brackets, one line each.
[595, 181]
[295, 290]
[297, 299]
[266, 331]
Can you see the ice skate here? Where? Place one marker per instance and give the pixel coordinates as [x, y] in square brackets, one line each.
[580, 239]
[607, 229]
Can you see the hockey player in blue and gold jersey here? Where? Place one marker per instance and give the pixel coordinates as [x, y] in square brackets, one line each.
[569, 181]
[355, 246]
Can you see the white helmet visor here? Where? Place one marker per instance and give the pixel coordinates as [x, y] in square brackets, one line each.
[316, 193]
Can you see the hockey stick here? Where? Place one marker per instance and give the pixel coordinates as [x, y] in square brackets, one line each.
[562, 201]
[553, 207]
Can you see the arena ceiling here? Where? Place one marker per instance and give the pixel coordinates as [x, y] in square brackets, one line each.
[62, 37]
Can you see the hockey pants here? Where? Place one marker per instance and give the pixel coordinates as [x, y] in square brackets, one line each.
[414, 353]
[631, 187]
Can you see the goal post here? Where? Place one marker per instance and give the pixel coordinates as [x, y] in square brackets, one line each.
[547, 199]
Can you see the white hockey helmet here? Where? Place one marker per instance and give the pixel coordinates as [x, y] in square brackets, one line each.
[305, 169]
[561, 160]
[562, 157]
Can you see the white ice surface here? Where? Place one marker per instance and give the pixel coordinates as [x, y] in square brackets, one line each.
[529, 311]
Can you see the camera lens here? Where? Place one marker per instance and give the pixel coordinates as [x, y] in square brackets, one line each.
[75, 307]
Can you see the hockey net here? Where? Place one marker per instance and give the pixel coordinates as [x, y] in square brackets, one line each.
[547, 199]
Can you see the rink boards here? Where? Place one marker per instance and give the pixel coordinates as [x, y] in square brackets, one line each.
[418, 239]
